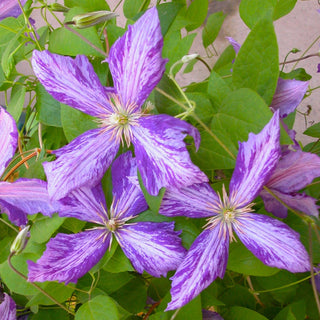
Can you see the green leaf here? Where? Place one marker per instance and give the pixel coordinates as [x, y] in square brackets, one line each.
[43, 228]
[241, 260]
[294, 311]
[48, 108]
[98, 308]
[298, 74]
[218, 90]
[167, 13]
[132, 7]
[313, 131]
[92, 5]
[257, 65]
[110, 283]
[283, 7]
[238, 295]
[75, 122]
[212, 28]
[118, 262]
[196, 14]
[51, 314]
[252, 11]
[17, 97]
[236, 313]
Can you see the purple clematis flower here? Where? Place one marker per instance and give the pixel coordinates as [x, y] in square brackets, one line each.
[150, 246]
[24, 196]
[136, 66]
[289, 92]
[270, 240]
[7, 307]
[10, 8]
[294, 171]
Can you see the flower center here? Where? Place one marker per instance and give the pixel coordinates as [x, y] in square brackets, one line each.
[120, 120]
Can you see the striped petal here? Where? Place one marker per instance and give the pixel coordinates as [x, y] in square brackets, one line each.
[82, 162]
[192, 201]
[8, 308]
[135, 59]
[71, 81]
[152, 247]
[255, 162]
[128, 197]
[161, 153]
[23, 197]
[205, 261]
[8, 139]
[69, 256]
[10, 8]
[273, 242]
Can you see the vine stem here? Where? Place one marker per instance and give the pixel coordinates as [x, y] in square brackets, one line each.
[255, 295]
[299, 59]
[36, 286]
[313, 282]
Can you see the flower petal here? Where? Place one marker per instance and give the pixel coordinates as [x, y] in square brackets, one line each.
[8, 139]
[162, 156]
[289, 93]
[128, 197]
[135, 59]
[294, 171]
[192, 201]
[10, 8]
[69, 256]
[71, 81]
[25, 196]
[150, 246]
[297, 201]
[236, 45]
[255, 161]
[82, 162]
[273, 242]
[87, 204]
[205, 261]
[8, 308]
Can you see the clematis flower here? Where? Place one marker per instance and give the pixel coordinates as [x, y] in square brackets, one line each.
[136, 66]
[150, 246]
[7, 307]
[24, 196]
[294, 171]
[289, 92]
[10, 8]
[270, 240]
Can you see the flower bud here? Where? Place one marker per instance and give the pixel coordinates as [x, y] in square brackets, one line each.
[58, 7]
[20, 241]
[189, 57]
[90, 19]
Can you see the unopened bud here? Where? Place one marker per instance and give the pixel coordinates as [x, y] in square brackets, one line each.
[90, 19]
[20, 241]
[189, 57]
[58, 7]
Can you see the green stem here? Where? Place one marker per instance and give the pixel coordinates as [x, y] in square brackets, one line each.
[299, 59]
[205, 63]
[9, 225]
[36, 286]
[175, 314]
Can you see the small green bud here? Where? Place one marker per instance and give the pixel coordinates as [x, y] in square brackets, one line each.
[58, 7]
[20, 241]
[189, 57]
[90, 19]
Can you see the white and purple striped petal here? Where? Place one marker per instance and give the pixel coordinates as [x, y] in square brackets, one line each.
[297, 201]
[71, 81]
[25, 196]
[256, 160]
[10, 8]
[273, 242]
[162, 157]
[128, 198]
[289, 93]
[135, 59]
[69, 256]
[205, 261]
[86, 204]
[152, 247]
[192, 201]
[8, 138]
[7, 308]
[82, 162]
